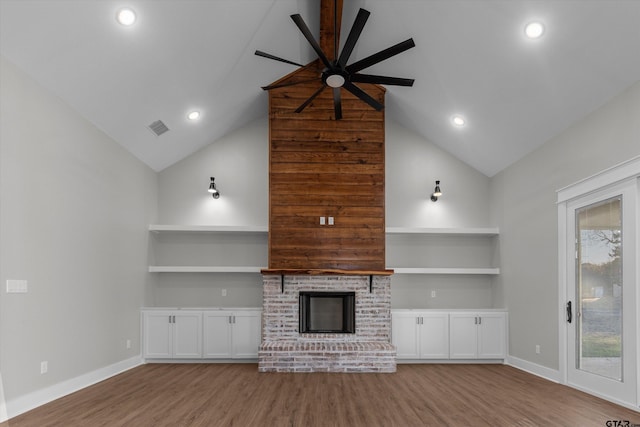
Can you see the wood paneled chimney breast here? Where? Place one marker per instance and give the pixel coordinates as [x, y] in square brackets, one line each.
[326, 176]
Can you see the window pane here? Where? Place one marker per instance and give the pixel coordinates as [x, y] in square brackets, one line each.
[599, 287]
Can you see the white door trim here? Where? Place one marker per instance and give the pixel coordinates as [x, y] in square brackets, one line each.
[628, 170]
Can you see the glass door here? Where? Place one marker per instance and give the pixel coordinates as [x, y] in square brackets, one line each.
[601, 294]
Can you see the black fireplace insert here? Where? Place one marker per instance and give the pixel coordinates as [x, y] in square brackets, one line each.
[328, 312]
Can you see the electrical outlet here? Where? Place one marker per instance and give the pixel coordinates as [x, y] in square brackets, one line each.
[322, 220]
[224, 292]
[128, 343]
[330, 220]
[433, 294]
[537, 349]
[44, 367]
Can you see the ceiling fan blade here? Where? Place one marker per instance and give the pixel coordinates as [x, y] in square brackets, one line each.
[353, 37]
[381, 80]
[337, 103]
[285, 84]
[312, 41]
[311, 98]
[380, 56]
[268, 55]
[362, 95]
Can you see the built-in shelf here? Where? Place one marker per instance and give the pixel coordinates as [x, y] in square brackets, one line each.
[484, 231]
[456, 270]
[203, 269]
[209, 228]
[407, 231]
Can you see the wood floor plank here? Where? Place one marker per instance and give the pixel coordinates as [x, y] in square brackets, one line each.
[238, 395]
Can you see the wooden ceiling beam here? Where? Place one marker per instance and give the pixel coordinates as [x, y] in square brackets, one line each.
[330, 23]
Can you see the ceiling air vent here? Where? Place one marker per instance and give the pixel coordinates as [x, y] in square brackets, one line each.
[158, 127]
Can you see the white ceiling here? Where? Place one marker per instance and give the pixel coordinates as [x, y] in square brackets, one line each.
[471, 58]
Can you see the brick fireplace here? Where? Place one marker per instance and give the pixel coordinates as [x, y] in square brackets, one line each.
[285, 349]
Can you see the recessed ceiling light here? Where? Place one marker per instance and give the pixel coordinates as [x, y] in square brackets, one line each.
[194, 115]
[458, 121]
[126, 17]
[534, 30]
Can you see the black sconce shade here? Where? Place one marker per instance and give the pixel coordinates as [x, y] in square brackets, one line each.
[436, 192]
[213, 190]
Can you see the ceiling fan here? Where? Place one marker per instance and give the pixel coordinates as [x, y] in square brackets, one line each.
[337, 74]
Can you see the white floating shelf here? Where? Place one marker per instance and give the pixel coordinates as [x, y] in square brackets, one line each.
[409, 270]
[203, 269]
[485, 231]
[209, 228]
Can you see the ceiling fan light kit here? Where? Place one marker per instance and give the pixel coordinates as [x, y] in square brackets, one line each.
[337, 74]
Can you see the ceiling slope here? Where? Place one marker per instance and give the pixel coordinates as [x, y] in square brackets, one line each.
[471, 58]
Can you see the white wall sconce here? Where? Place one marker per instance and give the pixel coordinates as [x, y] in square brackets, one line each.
[436, 192]
[213, 190]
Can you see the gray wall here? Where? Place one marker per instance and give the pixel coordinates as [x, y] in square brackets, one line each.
[240, 164]
[413, 164]
[74, 207]
[239, 161]
[523, 205]
[74, 210]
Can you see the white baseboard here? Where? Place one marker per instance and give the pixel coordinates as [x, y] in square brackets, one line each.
[22, 404]
[534, 368]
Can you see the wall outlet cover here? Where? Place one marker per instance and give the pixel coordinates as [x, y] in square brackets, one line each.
[17, 287]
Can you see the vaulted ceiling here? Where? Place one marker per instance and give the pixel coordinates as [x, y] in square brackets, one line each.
[471, 58]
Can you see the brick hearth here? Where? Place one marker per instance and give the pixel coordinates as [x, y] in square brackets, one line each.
[284, 349]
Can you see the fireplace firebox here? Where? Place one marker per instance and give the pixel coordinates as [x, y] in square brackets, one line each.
[327, 312]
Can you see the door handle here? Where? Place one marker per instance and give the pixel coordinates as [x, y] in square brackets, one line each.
[569, 312]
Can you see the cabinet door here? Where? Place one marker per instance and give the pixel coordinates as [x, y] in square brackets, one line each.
[157, 333]
[463, 336]
[187, 335]
[404, 335]
[217, 335]
[491, 336]
[434, 335]
[246, 335]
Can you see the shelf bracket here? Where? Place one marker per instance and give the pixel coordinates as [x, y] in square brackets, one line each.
[282, 283]
[370, 283]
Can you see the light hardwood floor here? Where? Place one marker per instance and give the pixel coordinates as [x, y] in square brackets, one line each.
[237, 395]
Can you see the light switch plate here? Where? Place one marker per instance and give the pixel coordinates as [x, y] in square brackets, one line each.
[17, 287]
[322, 220]
[330, 220]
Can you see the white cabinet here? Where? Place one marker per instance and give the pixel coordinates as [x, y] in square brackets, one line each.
[231, 334]
[420, 334]
[201, 333]
[441, 335]
[172, 334]
[477, 335]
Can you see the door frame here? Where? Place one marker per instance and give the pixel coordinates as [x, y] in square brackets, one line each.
[626, 171]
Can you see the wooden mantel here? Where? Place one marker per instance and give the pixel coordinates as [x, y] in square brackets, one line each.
[282, 272]
[324, 272]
